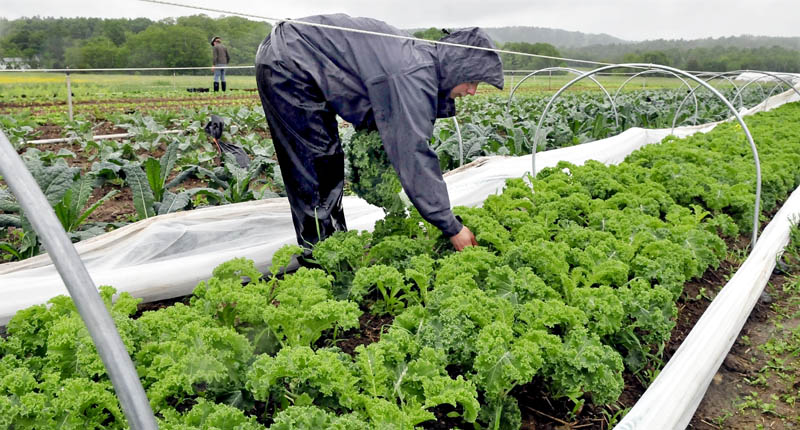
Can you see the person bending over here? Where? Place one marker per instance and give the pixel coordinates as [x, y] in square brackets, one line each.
[307, 75]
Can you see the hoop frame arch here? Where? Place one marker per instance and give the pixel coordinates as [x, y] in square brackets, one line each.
[778, 76]
[711, 77]
[460, 143]
[738, 88]
[673, 74]
[739, 91]
[771, 92]
[564, 69]
[756, 209]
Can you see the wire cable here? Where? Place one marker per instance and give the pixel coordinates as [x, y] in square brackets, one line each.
[125, 69]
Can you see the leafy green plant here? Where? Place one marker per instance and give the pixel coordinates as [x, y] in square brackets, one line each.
[151, 194]
[306, 308]
[66, 192]
[238, 184]
[18, 128]
[372, 176]
[388, 282]
[71, 210]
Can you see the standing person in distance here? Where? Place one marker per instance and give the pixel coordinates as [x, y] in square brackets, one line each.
[308, 75]
[219, 62]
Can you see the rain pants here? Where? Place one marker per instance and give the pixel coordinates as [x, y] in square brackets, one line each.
[307, 75]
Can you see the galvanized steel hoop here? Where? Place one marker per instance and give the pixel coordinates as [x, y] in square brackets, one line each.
[661, 71]
[569, 70]
[756, 209]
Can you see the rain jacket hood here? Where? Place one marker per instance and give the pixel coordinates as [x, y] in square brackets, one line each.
[458, 65]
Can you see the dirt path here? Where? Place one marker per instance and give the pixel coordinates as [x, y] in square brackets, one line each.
[757, 384]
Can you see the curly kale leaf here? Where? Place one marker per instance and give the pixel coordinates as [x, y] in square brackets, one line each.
[504, 360]
[183, 354]
[603, 306]
[341, 255]
[399, 370]
[372, 176]
[394, 293]
[300, 375]
[238, 306]
[314, 418]
[584, 365]
[207, 415]
[304, 308]
[52, 402]
[473, 262]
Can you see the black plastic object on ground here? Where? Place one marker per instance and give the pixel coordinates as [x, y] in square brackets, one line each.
[214, 129]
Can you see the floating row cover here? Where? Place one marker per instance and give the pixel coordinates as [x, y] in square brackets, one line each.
[167, 255]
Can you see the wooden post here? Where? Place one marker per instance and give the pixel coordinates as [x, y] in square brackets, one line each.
[69, 95]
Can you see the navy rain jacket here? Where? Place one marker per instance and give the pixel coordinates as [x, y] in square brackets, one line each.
[399, 86]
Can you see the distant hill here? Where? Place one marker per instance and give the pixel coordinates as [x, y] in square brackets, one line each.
[717, 54]
[778, 54]
[586, 42]
[553, 36]
[741, 42]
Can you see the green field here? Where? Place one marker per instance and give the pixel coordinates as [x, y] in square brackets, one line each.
[50, 86]
[46, 86]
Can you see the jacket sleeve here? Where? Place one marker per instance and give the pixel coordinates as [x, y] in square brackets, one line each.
[215, 59]
[227, 56]
[405, 107]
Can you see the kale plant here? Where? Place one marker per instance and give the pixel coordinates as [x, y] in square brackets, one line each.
[371, 175]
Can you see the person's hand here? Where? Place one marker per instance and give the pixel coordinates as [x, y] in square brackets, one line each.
[463, 239]
[212, 68]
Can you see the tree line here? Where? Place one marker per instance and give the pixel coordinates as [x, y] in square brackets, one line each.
[696, 55]
[184, 42]
[141, 42]
[711, 59]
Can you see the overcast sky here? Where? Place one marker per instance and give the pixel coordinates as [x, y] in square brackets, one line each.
[626, 19]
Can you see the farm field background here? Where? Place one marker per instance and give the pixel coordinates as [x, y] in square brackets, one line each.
[593, 279]
[193, 171]
[48, 86]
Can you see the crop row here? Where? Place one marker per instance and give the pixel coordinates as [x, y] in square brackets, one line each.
[191, 175]
[490, 126]
[575, 282]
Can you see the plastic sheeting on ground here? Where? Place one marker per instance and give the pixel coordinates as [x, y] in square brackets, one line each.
[166, 256]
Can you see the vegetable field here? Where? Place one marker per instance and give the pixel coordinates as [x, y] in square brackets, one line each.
[562, 316]
[151, 172]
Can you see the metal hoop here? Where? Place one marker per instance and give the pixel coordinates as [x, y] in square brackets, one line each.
[673, 74]
[719, 95]
[564, 69]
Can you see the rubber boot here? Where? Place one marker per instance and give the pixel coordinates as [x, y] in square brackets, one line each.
[216, 86]
[223, 85]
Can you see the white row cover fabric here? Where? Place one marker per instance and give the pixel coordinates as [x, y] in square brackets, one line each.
[670, 402]
[794, 78]
[166, 256]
